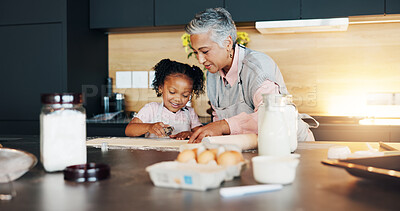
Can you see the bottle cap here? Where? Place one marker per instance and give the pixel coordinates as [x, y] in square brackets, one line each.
[90, 172]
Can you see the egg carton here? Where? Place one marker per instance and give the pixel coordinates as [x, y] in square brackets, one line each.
[192, 175]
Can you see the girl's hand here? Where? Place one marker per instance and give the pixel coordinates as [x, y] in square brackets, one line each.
[157, 129]
[182, 135]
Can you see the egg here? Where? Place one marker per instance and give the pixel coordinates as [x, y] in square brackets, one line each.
[186, 155]
[200, 149]
[229, 158]
[215, 151]
[195, 153]
[239, 156]
[205, 157]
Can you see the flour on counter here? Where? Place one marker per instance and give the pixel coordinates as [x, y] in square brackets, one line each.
[160, 144]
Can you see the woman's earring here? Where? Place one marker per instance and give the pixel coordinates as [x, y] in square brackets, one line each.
[231, 55]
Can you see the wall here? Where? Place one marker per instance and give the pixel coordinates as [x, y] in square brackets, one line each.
[328, 73]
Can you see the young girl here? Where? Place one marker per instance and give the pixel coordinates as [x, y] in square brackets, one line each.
[176, 83]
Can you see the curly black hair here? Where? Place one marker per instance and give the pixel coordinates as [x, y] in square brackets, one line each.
[167, 67]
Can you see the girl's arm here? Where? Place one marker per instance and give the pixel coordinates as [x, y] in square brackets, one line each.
[137, 128]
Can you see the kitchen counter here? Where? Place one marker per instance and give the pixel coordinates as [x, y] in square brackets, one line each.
[337, 128]
[316, 186]
[111, 127]
[331, 128]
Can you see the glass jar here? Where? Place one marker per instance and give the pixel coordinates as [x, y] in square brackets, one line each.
[62, 131]
[291, 115]
[273, 128]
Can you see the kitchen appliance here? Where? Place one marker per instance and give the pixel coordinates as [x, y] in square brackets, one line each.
[107, 96]
[117, 102]
[304, 25]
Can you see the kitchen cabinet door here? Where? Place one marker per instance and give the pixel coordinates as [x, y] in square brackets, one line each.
[31, 64]
[180, 12]
[340, 8]
[392, 6]
[262, 10]
[60, 56]
[121, 13]
[34, 11]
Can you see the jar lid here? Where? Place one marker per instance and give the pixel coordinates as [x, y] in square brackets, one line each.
[62, 98]
[90, 172]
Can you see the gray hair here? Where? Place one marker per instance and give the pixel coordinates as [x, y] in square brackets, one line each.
[218, 21]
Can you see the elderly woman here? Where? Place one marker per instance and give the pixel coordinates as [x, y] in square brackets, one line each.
[236, 77]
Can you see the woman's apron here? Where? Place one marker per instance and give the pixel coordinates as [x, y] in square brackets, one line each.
[234, 104]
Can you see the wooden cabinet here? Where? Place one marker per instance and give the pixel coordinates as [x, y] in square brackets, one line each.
[262, 10]
[340, 8]
[121, 13]
[392, 6]
[180, 12]
[55, 55]
[31, 11]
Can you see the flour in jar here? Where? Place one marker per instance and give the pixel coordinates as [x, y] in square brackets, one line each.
[62, 139]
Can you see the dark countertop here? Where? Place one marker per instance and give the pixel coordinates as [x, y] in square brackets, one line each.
[316, 186]
[343, 128]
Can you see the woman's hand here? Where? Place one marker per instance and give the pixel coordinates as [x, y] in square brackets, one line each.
[157, 129]
[182, 135]
[212, 129]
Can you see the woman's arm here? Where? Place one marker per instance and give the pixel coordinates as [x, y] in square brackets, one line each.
[137, 128]
[217, 128]
[247, 123]
[196, 128]
[239, 124]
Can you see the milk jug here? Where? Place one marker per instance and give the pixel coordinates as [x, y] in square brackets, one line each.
[274, 130]
[291, 115]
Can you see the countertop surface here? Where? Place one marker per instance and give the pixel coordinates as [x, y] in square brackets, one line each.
[316, 186]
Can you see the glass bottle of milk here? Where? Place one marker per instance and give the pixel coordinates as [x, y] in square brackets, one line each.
[291, 115]
[62, 131]
[273, 128]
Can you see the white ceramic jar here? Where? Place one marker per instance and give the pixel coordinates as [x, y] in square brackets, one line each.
[62, 131]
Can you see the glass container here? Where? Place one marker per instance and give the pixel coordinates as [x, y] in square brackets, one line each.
[62, 131]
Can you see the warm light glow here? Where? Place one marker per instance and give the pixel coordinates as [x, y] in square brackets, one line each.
[373, 121]
[347, 106]
[388, 111]
[356, 105]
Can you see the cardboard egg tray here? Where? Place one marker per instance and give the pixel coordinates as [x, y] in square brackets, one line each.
[194, 176]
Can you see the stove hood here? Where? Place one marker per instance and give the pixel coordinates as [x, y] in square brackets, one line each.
[303, 25]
